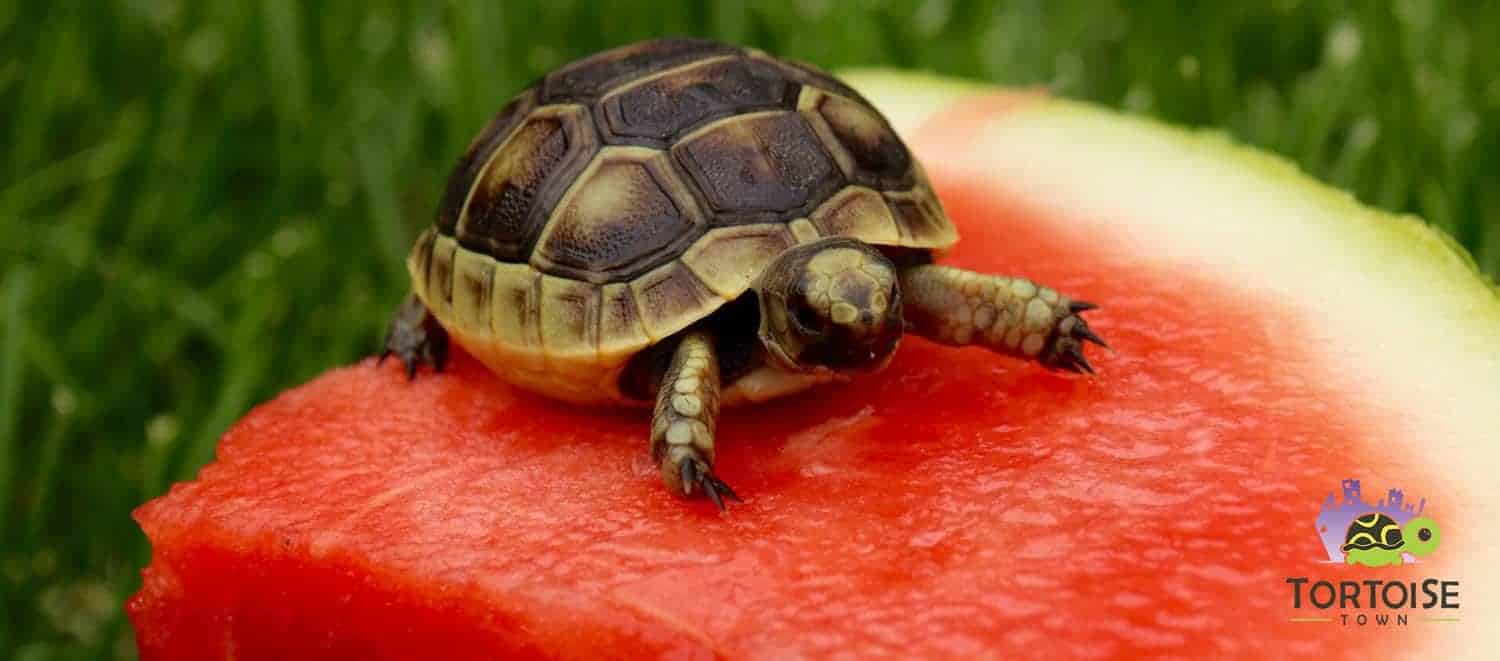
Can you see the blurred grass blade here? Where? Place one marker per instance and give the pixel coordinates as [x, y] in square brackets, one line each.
[13, 296]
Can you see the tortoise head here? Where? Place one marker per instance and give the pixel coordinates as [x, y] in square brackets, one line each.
[831, 304]
[1421, 536]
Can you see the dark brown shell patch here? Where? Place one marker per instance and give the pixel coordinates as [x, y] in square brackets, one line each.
[585, 79]
[670, 298]
[879, 157]
[921, 221]
[474, 158]
[618, 215]
[768, 163]
[523, 180]
[656, 110]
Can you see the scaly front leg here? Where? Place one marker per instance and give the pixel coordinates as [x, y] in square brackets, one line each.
[1013, 316]
[687, 411]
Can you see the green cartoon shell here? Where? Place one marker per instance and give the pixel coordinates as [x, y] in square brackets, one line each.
[1373, 531]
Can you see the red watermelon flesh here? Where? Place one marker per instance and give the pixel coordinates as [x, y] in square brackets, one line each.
[957, 504]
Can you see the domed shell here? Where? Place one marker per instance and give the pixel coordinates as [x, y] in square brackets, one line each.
[1373, 531]
[631, 193]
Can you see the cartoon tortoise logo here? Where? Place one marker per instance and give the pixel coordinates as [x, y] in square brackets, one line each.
[1376, 540]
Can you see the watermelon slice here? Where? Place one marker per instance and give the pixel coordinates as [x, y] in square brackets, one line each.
[1273, 338]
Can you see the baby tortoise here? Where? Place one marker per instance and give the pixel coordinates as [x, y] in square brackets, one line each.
[1376, 540]
[699, 225]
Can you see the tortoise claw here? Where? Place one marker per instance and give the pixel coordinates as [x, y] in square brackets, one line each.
[1080, 364]
[1068, 357]
[1083, 332]
[1066, 349]
[723, 488]
[689, 471]
[713, 494]
[696, 472]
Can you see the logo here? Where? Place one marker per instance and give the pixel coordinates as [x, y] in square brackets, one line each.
[1365, 539]
[1390, 532]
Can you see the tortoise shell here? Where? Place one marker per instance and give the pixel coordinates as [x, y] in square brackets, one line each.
[632, 193]
[1373, 531]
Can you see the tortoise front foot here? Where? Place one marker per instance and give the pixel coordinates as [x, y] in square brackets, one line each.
[682, 427]
[1064, 348]
[686, 473]
[1008, 315]
[416, 338]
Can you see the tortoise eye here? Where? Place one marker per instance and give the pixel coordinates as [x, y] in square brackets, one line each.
[808, 319]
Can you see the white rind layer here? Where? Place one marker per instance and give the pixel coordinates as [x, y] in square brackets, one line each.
[1397, 312]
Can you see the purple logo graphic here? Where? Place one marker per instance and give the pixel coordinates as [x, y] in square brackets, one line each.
[1388, 533]
[1335, 517]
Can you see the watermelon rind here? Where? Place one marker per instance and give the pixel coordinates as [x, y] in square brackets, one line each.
[1393, 311]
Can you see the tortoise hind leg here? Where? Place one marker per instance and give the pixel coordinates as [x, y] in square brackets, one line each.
[682, 426]
[415, 337]
[1012, 316]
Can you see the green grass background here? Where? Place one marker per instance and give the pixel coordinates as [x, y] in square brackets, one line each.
[202, 203]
